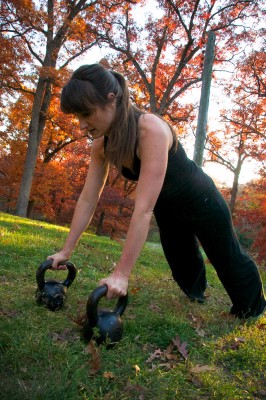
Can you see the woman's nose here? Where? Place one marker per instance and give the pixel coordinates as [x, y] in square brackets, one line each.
[82, 124]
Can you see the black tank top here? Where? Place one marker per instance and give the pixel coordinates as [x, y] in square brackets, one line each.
[185, 184]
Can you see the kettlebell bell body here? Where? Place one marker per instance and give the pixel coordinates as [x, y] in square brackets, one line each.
[102, 325]
[53, 293]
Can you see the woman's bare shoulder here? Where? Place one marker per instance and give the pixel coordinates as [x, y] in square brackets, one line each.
[149, 118]
[150, 125]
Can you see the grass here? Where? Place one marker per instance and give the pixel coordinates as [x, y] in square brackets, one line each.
[171, 348]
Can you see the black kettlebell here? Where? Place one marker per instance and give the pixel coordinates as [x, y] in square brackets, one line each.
[52, 293]
[103, 325]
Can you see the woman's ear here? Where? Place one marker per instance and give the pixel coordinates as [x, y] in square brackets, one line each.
[111, 97]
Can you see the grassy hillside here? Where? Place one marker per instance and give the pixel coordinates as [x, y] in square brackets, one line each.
[171, 348]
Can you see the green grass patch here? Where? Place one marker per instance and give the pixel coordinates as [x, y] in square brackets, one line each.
[171, 348]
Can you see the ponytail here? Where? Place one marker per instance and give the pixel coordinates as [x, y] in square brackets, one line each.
[123, 138]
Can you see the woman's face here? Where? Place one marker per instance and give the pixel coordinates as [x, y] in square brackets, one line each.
[98, 123]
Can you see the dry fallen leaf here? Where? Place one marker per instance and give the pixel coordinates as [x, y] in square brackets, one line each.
[157, 354]
[166, 359]
[134, 390]
[135, 290]
[108, 375]
[182, 347]
[8, 313]
[169, 355]
[261, 326]
[96, 359]
[67, 335]
[240, 339]
[200, 332]
[201, 368]
[166, 365]
[137, 369]
[16, 227]
[79, 319]
[153, 307]
[193, 378]
[234, 345]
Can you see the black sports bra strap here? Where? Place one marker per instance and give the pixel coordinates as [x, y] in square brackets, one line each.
[105, 141]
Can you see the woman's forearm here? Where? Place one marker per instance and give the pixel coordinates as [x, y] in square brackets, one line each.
[88, 199]
[135, 240]
[117, 282]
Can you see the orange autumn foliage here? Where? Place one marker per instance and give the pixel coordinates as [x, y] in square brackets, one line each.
[250, 218]
[161, 59]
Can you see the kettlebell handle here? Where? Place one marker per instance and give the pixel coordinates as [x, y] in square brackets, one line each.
[72, 271]
[94, 299]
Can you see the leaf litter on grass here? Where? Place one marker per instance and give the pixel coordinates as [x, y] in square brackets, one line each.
[169, 358]
[230, 364]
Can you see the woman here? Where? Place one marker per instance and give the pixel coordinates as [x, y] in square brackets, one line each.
[187, 205]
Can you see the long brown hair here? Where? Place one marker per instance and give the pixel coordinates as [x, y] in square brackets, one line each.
[89, 87]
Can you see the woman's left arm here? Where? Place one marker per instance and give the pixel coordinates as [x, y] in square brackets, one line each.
[155, 139]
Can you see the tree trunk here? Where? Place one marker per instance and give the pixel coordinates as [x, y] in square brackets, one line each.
[99, 229]
[36, 128]
[204, 101]
[31, 205]
[42, 99]
[28, 172]
[234, 190]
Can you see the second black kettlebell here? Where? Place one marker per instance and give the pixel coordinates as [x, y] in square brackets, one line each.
[52, 293]
[103, 325]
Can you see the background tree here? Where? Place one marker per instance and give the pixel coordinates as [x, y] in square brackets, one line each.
[62, 164]
[113, 212]
[60, 172]
[250, 218]
[56, 184]
[163, 56]
[51, 34]
[243, 137]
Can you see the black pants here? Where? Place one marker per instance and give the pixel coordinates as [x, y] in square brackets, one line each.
[210, 223]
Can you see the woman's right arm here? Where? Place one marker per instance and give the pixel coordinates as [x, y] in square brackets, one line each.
[86, 204]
